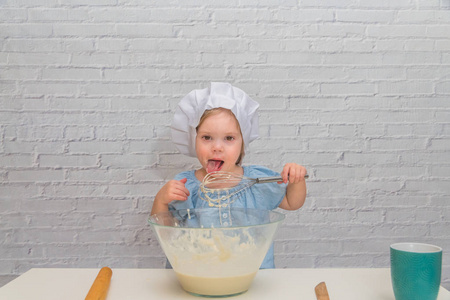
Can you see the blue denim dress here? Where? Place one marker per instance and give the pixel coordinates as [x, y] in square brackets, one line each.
[260, 196]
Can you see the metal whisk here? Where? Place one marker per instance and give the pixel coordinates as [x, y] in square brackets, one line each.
[219, 186]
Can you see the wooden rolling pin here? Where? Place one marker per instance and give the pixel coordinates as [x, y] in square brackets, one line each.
[99, 288]
[321, 291]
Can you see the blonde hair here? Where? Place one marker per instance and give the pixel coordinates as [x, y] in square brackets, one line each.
[210, 112]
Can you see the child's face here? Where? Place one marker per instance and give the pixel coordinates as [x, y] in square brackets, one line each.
[218, 142]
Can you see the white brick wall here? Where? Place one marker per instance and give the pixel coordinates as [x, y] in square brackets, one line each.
[356, 90]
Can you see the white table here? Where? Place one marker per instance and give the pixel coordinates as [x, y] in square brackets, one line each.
[135, 284]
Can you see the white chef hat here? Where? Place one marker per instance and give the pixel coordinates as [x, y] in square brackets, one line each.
[193, 105]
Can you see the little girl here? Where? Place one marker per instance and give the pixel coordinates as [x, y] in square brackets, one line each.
[216, 125]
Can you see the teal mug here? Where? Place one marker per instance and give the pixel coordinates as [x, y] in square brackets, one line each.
[416, 271]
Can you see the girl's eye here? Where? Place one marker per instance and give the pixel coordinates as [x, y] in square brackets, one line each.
[206, 137]
[229, 138]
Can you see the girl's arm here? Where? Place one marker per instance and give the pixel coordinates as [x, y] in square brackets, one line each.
[294, 175]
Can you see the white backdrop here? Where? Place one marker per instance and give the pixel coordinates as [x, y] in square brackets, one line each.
[357, 91]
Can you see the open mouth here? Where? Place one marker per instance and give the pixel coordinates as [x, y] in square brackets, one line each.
[214, 165]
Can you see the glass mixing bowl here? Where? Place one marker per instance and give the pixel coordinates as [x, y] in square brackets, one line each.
[216, 252]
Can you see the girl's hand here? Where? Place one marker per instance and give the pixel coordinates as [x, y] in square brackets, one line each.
[293, 173]
[172, 190]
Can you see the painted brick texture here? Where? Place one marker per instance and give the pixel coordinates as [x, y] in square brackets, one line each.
[357, 91]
